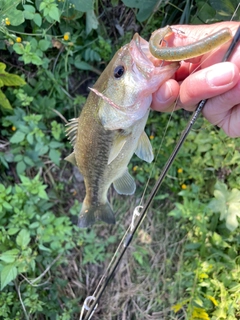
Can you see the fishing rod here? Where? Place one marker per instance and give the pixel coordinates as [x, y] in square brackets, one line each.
[142, 214]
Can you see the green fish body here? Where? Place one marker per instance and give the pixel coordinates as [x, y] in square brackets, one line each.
[110, 128]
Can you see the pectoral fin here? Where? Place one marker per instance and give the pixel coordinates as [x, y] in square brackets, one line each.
[144, 148]
[117, 146]
[71, 158]
[125, 184]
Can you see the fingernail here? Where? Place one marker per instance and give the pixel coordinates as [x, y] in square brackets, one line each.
[220, 75]
[164, 93]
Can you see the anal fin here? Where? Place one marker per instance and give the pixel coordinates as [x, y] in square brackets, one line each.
[71, 158]
[125, 184]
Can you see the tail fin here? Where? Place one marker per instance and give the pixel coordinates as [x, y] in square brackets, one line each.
[90, 214]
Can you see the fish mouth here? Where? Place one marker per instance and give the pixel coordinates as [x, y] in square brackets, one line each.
[144, 60]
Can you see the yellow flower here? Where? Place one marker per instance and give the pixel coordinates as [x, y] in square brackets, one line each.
[7, 21]
[180, 170]
[177, 307]
[13, 128]
[183, 186]
[151, 137]
[199, 313]
[135, 168]
[214, 301]
[66, 36]
[18, 39]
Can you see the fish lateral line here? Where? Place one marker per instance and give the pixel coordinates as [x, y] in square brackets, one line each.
[189, 51]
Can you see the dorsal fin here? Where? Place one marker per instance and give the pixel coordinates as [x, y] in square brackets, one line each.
[71, 131]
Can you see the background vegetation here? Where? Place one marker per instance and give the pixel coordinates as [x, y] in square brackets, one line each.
[185, 260]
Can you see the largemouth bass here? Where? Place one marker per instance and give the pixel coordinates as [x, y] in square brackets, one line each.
[110, 128]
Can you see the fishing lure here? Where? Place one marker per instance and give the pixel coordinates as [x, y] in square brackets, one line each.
[189, 51]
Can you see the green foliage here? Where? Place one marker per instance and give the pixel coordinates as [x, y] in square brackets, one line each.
[213, 10]
[29, 143]
[32, 239]
[52, 52]
[7, 79]
[228, 204]
[9, 9]
[146, 8]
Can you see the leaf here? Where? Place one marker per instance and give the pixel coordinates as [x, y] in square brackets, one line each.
[6, 205]
[234, 196]
[28, 161]
[233, 213]
[42, 5]
[23, 239]
[16, 17]
[13, 231]
[9, 256]
[42, 247]
[55, 156]
[91, 21]
[235, 158]
[205, 13]
[17, 137]
[224, 8]
[4, 102]
[54, 13]
[18, 158]
[37, 19]
[28, 15]
[55, 144]
[82, 5]
[227, 203]
[145, 7]
[29, 8]
[82, 65]
[8, 274]
[30, 138]
[21, 167]
[36, 60]
[18, 48]
[9, 79]
[44, 44]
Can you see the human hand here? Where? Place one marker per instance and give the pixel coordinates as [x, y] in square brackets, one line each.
[214, 80]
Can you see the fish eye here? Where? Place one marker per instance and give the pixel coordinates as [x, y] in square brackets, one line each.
[118, 71]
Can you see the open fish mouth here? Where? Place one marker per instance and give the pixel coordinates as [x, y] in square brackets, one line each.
[144, 60]
[144, 75]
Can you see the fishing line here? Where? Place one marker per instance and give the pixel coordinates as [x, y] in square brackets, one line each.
[129, 236]
[235, 12]
[157, 154]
